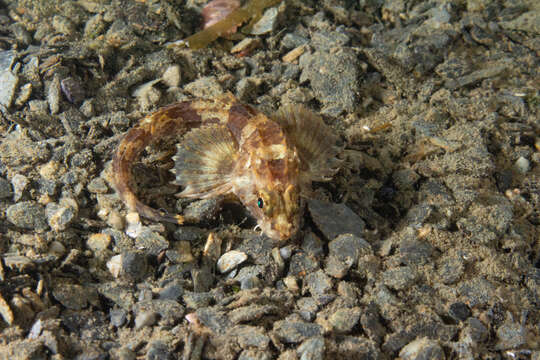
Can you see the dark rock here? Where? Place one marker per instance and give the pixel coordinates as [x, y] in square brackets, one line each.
[459, 311]
[203, 279]
[72, 296]
[335, 219]
[372, 325]
[477, 291]
[451, 269]
[121, 295]
[251, 312]
[356, 347]
[476, 330]
[258, 248]
[157, 350]
[145, 318]
[150, 242]
[189, 233]
[197, 300]
[73, 90]
[170, 312]
[203, 211]
[418, 214]
[336, 268]
[415, 252]
[290, 331]
[293, 40]
[5, 189]
[27, 215]
[255, 355]
[173, 291]
[134, 265]
[312, 245]
[312, 349]
[59, 216]
[348, 248]
[326, 40]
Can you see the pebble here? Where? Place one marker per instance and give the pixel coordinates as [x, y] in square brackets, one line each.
[72, 296]
[399, 278]
[307, 308]
[53, 95]
[134, 265]
[318, 284]
[19, 182]
[295, 331]
[9, 83]
[73, 90]
[5, 311]
[27, 215]
[522, 165]
[230, 260]
[422, 349]
[157, 350]
[172, 76]
[98, 242]
[151, 242]
[267, 23]
[348, 248]
[97, 186]
[312, 349]
[344, 320]
[459, 311]
[6, 189]
[145, 318]
[335, 219]
[511, 335]
[118, 317]
[59, 217]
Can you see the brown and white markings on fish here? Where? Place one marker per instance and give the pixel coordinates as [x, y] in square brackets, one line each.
[269, 163]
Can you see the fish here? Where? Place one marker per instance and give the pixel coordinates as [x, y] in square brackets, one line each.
[229, 148]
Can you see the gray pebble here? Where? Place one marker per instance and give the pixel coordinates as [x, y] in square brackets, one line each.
[318, 284]
[157, 350]
[348, 248]
[53, 95]
[459, 311]
[250, 336]
[72, 296]
[27, 215]
[267, 23]
[511, 335]
[172, 291]
[7, 58]
[312, 349]
[214, 319]
[98, 186]
[19, 182]
[251, 354]
[118, 317]
[196, 300]
[58, 216]
[291, 331]
[344, 320]
[5, 189]
[302, 264]
[307, 308]
[476, 330]
[9, 83]
[399, 278]
[151, 242]
[134, 265]
[203, 279]
[335, 219]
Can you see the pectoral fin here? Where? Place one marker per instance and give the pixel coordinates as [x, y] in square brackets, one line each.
[315, 142]
[204, 162]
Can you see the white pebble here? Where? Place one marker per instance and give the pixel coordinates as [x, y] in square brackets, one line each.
[522, 165]
[230, 260]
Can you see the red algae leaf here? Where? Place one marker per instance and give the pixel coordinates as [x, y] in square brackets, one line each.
[235, 18]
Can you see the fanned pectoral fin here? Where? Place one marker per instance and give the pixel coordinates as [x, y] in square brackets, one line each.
[315, 142]
[205, 161]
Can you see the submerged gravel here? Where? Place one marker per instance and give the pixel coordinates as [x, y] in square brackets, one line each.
[426, 244]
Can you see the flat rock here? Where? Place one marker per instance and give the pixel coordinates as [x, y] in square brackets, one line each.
[335, 219]
[27, 215]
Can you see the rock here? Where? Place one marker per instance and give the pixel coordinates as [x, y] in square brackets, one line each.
[451, 269]
[422, 349]
[344, 320]
[134, 265]
[72, 296]
[476, 291]
[511, 335]
[528, 21]
[98, 186]
[308, 307]
[291, 331]
[302, 264]
[9, 83]
[53, 95]
[58, 216]
[476, 330]
[172, 76]
[157, 350]
[214, 319]
[5, 189]
[522, 165]
[145, 318]
[27, 215]
[319, 285]
[333, 78]
[203, 279]
[459, 311]
[335, 219]
[118, 317]
[312, 349]
[151, 242]
[400, 278]
[346, 249]
[250, 336]
[258, 248]
[267, 23]
[98, 242]
[204, 87]
[230, 260]
[252, 354]
[173, 291]
[73, 90]
[19, 182]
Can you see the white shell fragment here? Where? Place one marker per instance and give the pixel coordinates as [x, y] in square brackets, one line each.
[230, 260]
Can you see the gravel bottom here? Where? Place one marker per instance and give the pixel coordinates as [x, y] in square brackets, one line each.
[426, 244]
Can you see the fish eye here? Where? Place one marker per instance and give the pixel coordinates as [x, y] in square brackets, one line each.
[260, 203]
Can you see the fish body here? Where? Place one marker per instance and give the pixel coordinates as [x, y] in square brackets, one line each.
[268, 163]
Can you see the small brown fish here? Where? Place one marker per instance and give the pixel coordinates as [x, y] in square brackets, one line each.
[269, 163]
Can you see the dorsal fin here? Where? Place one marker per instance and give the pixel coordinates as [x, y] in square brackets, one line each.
[205, 160]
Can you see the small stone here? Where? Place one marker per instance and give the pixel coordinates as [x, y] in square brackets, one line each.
[312, 349]
[522, 165]
[172, 291]
[27, 215]
[5, 311]
[134, 265]
[5, 189]
[115, 265]
[58, 216]
[335, 219]
[9, 83]
[172, 76]
[53, 95]
[291, 331]
[73, 90]
[347, 248]
[459, 311]
[157, 350]
[319, 285]
[230, 260]
[118, 317]
[98, 242]
[344, 320]
[145, 318]
[422, 349]
[19, 182]
[63, 25]
[24, 94]
[266, 23]
[511, 335]
[205, 87]
[399, 278]
[72, 296]
[477, 331]
[151, 242]
[307, 307]
[147, 94]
